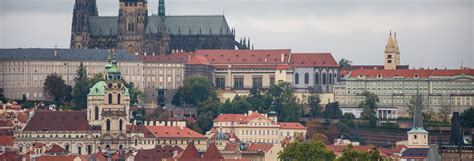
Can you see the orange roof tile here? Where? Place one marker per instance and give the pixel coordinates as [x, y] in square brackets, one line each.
[291, 125]
[190, 153]
[198, 60]
[246, 56]
[409, 73]
[313, 60]
[55, 149]
[230, 117]
[56, 158]
[6, 140]
[38, 145]
[173, 132]
[212, 153]
[265, 147]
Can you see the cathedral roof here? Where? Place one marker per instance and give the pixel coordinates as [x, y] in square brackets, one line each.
[58, 121]
[176, 25]
[63, 54]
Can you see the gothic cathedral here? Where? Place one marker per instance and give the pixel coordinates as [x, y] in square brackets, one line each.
[138, 32]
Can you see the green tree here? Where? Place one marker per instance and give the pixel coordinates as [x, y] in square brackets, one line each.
[349, 154]
[314, 107]
[306, 151]
[81, 87]
[467, 118]
[258, 101]
[237, 106]
[444, 112]
[195, 90]
[207, 111]
[333, 111]
[369, 105]
[344, 62]
[319, 137]
[55, 87]
[136, 95]
[284, 102]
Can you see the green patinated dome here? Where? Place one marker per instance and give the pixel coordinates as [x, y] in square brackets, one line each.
[99, 89]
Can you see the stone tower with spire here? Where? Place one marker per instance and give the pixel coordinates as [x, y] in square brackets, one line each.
[83, 9]
[417, 136]
[392, 52]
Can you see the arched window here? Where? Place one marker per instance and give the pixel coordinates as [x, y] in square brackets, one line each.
[324, 78]
[118, 98]
[297, 78]
[110, 98]
[131, 27]
[79, 150]
[107, 125]
[96, 113]
[306, 78]
[316, 78]
[330, 78]
[89, 149]
[120, 124]
[136, 142]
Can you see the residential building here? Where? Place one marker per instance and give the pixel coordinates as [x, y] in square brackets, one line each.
[254, 127]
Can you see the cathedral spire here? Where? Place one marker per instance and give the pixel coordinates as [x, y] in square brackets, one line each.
[161, 8]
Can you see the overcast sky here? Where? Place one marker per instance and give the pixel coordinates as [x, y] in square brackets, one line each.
[431, 33]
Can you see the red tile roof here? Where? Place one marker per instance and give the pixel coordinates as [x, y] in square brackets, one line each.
[291, 125]
[313, 60]
[55, 149]
[171, 58]
[58, 121]
[212, 153]
[231, 147]
[230, 117]
[265, 147]
[6, 123]
[6, 140]
[282, 67]
[172, 132]
[22, 117]
[38, 145]
[10, 156]
[246, 56]
[190, 153]
[56, 158]
[240, 117]
[409, 73]
[157, 153]
[198, 60]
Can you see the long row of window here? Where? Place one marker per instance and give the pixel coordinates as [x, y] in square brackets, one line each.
[326, 78]
[257, 82]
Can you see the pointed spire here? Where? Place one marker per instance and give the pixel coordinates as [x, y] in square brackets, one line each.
[392, 46]
[161, 8]
[417, 118]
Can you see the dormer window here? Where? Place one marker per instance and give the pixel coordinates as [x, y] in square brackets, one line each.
[379, 76]
[416, 76]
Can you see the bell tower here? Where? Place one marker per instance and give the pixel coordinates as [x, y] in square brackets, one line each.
[392, 53]
[132, 19]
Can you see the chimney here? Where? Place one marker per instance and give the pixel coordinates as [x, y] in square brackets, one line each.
[282, 57]
[153, 53]
[55, 50]
[144, 53]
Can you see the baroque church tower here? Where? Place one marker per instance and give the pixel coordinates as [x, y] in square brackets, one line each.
[108, 107]
[392, 53]
[132, 19]
[83, 9]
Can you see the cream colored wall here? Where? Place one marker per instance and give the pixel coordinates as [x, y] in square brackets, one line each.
[420, 142]
[272, 154]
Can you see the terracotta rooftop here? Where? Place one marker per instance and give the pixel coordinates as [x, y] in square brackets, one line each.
[6, 123]
[291, 125]
[58, 121]
[240, 117]
[198, 60]
[6, 140]
[171, 132]
[157, 153]
[265, 147]
[171, 58]
[190, 153]
[38, 145]
[57, 158]
[277, 56]
[212, 153]
[10, 156]
[410, 73]
[313, 60]
[55, 149]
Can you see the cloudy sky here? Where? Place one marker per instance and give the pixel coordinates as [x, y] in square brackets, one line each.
[431, 33]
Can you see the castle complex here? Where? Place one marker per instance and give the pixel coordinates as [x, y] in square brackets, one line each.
[138, 32]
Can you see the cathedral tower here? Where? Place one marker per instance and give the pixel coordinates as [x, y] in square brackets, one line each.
[83, 9]
[161, 8]
[132, 19]
[392, 53]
